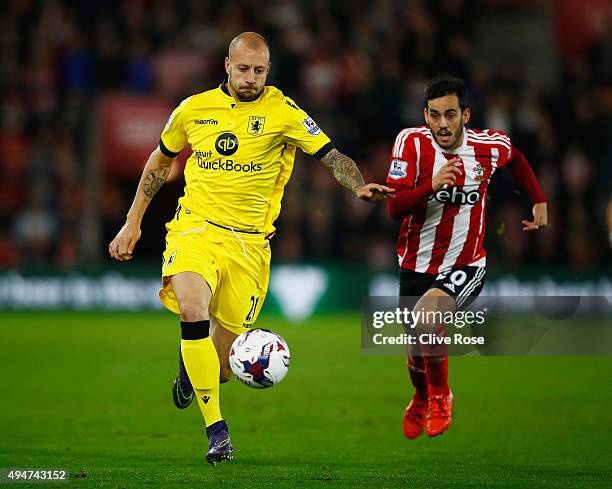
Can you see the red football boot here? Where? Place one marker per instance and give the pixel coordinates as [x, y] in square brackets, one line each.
[414, 418]
[439, 415]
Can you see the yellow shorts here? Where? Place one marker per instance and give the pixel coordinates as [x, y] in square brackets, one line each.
[235, 265]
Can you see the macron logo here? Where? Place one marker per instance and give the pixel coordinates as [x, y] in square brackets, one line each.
[214, 122]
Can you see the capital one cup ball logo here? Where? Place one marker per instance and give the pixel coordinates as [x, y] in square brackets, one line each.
[226, 144]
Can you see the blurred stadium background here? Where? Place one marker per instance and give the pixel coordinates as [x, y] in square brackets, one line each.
[87, 87]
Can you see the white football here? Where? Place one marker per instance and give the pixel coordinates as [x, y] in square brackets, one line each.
[259, 358]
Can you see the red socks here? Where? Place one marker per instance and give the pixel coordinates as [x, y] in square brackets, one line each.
[437, 375]
[418, 376]
[429, 373]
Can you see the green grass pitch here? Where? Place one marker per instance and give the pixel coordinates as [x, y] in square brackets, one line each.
[91, 392]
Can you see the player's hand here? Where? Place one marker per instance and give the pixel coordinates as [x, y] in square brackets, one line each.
[447, 176]
[373, 192]
[540, 218]
[122, 247]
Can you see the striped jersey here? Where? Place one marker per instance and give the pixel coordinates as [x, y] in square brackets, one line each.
[447, 230]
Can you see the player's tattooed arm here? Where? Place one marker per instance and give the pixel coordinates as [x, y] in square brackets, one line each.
[344, 170]
[154, 180]
[348, 175]
[154, 175]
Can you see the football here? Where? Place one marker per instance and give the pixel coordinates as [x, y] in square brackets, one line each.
[259, 358]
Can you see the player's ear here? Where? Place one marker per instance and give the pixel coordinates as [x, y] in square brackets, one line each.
[465, 115]
[227, 66]
[426, 115]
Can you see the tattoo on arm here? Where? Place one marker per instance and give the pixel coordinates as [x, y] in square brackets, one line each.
[344, 169]
[154, 180]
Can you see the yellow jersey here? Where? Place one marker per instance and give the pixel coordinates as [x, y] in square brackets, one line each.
[243, 154]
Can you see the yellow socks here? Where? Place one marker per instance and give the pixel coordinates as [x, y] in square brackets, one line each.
[202, 365]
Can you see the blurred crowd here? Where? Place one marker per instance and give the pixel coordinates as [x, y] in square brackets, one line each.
[358, 68]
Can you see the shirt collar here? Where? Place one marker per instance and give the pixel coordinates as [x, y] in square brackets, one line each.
[223, 87]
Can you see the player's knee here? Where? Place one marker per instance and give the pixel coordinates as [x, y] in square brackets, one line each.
[192, 310]
[225, 374]
[426, 325]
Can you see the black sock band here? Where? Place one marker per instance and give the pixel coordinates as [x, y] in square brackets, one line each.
[196, 330]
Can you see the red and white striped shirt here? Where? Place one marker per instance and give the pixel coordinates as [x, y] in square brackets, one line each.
[446, 230]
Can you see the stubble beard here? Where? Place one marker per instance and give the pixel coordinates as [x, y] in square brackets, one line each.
[455, 138]
[244, 98]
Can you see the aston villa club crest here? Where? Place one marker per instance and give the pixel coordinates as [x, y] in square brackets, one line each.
[479, 173]
[256, 125]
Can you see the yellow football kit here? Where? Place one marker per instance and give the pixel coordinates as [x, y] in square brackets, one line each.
[243, 155]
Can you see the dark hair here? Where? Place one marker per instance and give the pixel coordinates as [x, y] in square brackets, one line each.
[441, 86]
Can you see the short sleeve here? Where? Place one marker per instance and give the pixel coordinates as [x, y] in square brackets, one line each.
[402, 171]
[505, 146]
[173, 137]
[302, 131]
